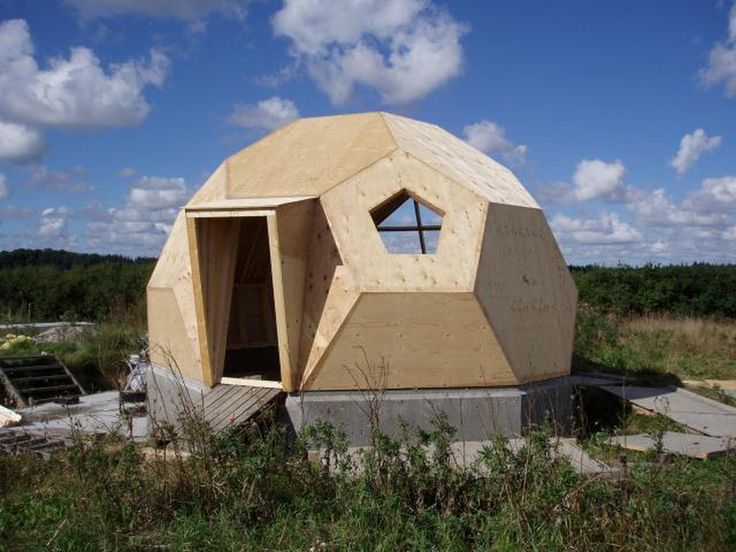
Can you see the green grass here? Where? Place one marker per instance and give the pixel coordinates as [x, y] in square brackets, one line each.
[669, 347]
[259, 492]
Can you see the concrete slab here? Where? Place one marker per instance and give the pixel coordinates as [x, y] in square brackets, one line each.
[727, 386]
[475, 413]
[466, 454]
[684, 407]
[97, 413]
[695, 446]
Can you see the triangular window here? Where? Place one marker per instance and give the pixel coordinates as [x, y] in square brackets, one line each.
[407, 225]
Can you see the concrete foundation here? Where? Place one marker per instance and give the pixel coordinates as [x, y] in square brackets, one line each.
[476, 413]
[169, 393]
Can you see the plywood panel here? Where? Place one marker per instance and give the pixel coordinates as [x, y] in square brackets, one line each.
[459, 161]
[168, 341]
[213, 246]
[214, 189]
[527, 292]
[294, 221]
[174, 258]
[429, 340]
[454, 265]
[308, 156]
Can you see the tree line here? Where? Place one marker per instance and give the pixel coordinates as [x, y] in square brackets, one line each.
[47, 285]
[698, 289]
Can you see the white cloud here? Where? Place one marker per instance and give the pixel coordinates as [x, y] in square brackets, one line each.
[20, 144]
[721, 68]
[490, 138]
[154, 192]
[186, 10]
[53, 222]
[594, 178]
[692, 146]
[73, 92]
[715, 195]
[268, 114]
[142, 224]
[656, 209]
[659, 247]
[4, 187]
[607, 229]
[404, 49]
[730, 234]
[73, 180]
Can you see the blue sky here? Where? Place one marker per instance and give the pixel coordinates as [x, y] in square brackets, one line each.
[619, 117]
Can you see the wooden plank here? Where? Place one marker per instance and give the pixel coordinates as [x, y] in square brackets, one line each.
[229, 404]
[12, 390]
[268, 203]
[230, 413]
[250, 382]
[279, 300]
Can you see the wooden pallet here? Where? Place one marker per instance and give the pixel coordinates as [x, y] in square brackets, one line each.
[233, 405]
[14, 441]
[36, 379]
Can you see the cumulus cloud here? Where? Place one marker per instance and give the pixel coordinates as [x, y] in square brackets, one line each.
[142, 224]
[403, 49]
[185, 10]
[4, 187]
[730, 234]
[154, 192]
[714, 195]
[490, 138]
[53, 222]
[73, 92]
[268, 114]
[692, 146]
[608, 228]
[656, 209]
[20, 144]
[594, 178]
[721, 67]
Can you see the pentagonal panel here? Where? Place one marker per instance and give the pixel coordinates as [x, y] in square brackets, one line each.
[348, 208]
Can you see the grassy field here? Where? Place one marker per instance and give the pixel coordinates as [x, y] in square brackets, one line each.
[683, 347]
[259, 491]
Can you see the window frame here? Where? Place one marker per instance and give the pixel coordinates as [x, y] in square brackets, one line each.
[384, 210]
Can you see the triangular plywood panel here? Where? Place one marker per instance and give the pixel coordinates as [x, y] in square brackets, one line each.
[308, 157]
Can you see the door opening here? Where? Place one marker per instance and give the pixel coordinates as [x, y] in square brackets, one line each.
[252, 343]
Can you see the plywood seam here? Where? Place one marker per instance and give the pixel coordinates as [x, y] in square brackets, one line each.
[388, 128]
[318, 366]
[366, 167]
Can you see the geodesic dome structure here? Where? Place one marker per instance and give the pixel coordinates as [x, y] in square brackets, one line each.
[338, 244]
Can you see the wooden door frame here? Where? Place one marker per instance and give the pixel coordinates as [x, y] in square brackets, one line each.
[196, 217]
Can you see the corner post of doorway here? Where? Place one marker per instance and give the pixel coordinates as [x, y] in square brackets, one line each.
[199, 306]
[279, 303]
